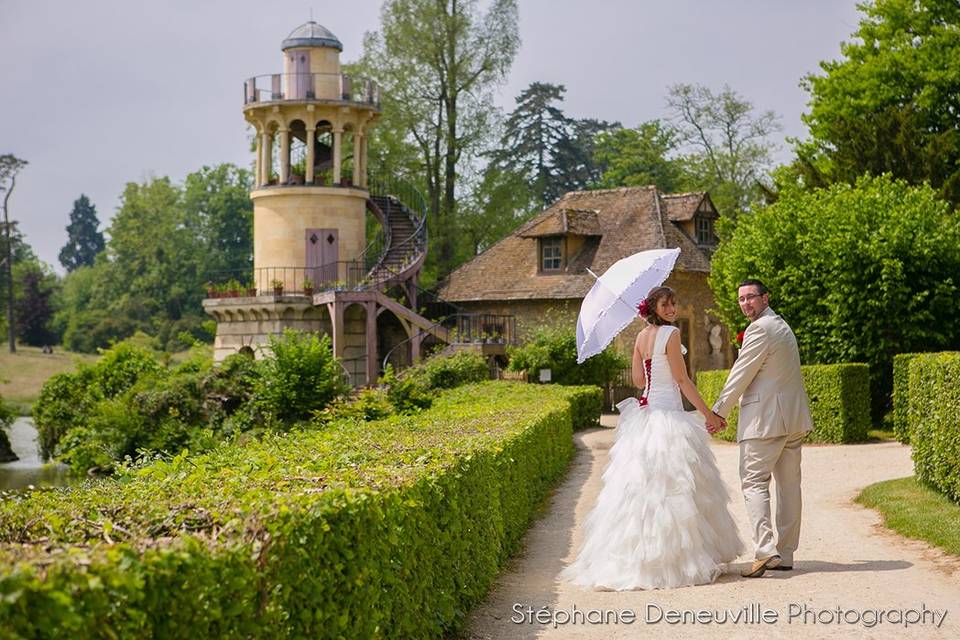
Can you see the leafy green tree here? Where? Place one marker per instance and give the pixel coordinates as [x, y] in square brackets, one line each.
[891, 104]
[499, 204]
[84, 241]
[35, 288]
[860, 272]
[729, 142]
[217, 207]
[165, 242]
[639, 157]
[439, 89]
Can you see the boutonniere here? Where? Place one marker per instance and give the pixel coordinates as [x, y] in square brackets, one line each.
[740, 337]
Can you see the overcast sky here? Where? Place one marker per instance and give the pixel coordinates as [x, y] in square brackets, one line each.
[99, 93]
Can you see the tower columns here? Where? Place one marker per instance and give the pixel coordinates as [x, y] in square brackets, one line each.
[311, 143]
[337, 154]
[267, 146]
[284, 156]
[360, 153]
[258, 179]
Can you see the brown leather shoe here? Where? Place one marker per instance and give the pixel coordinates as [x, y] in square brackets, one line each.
[758, 567]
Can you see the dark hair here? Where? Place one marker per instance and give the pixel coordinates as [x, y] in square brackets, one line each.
[653, 298]
[750, 282]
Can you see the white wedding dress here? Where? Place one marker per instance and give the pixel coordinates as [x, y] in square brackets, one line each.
[661, 519]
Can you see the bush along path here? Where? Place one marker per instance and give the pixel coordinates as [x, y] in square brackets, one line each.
[391, 528]
[846, 559]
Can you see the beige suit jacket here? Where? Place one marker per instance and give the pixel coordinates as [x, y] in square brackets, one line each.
[766, 379]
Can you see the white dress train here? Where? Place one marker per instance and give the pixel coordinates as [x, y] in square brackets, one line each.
[661, 519]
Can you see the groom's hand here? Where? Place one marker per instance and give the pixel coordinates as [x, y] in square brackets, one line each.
[719, 424]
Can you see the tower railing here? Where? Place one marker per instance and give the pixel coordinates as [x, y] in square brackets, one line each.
[341, 87]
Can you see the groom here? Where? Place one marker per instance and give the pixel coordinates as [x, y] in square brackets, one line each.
[774, 420]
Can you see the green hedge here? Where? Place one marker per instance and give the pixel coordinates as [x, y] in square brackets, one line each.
[901, 395]
[392, 528]
[839, 401]
[934, 407]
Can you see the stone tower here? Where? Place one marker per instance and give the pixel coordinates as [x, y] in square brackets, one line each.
[315, 269]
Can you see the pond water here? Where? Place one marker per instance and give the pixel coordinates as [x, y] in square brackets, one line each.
[30, 469]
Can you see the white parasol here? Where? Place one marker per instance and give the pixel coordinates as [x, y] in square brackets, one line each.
[612, 302]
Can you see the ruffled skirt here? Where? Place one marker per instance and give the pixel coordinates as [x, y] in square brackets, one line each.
[661, 519]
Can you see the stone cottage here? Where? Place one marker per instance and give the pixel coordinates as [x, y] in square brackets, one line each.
[539, 272]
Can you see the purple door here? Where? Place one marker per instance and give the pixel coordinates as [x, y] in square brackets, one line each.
[323, 250]
[300, 81]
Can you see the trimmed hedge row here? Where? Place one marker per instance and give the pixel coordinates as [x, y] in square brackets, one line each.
[391, 528]
[934, 426]
[839, 401]
[901, 395]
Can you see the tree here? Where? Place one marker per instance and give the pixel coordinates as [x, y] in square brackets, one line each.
[553, 152]
[33, 304]
[860, 272]
[10, 166]
[84, 241]
[532, 135]
[440, 88]
[731, 150]
[218, 210]
[499, 204]
[892, 102]
[165, 242]
[577, 166]
[640, 156]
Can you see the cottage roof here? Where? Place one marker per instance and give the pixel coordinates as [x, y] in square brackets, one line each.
[624, 221]
[582, 222]
[682, 206]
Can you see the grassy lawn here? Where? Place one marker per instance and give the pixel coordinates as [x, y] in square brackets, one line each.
[23, 373]
[881, 435]
[916, 511]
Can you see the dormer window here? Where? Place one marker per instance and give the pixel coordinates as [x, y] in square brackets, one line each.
[705, 235]
[551, 253]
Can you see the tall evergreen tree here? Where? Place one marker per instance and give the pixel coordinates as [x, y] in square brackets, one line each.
[577, 166]
[84, 241]
[533, 133]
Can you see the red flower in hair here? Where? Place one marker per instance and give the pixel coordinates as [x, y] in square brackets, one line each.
[740, 337]
[643, 308]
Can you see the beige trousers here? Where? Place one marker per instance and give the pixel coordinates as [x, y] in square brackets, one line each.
[759, 458]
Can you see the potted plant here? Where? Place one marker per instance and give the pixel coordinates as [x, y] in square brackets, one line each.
[251, 290]
[233, 289]
[277, 287]
[308, 287]
[212, 290]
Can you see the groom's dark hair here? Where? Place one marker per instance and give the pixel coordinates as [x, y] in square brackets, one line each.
[761, 288]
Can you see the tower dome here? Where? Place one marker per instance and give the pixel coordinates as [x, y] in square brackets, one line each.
[311, 34]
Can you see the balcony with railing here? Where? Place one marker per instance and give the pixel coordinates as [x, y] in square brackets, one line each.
[338, 87]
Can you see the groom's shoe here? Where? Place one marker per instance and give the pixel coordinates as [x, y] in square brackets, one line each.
[758, 567]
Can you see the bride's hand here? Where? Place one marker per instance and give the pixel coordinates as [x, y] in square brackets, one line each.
[715, 423]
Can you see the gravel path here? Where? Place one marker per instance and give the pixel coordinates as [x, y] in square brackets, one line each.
[846, 559]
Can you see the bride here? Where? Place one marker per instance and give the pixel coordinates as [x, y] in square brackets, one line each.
[661, 519]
